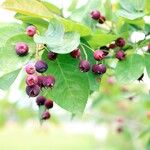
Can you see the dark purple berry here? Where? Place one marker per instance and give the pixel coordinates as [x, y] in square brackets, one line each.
[102, 19]
[46, 115]
[52, 55]
[33, 91]
[120, 42]
[120, 55]
[48, 104]
[141, 77]
[149, 48]
[31, 31]
[40, 81]
[41, 66]
[84, 66]
[22, 49]
[112, 46]
[95, 14]
[48, 81]
[40, 100]
[75, 53]
[31, 80]
[99, 55]
[99, 68]
[30, 69]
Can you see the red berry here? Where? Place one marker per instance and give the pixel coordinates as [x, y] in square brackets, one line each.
[99, 68]
[52, 55]
[31, 31]
[31, 80]
[22, 49]
[30, 69]
[112, 46]
[33, 91]
[75, 53]
[120, 42]
[40, 100]
[84, 66]
[95, 14]
[99, 55]
[46, 115]
[48, 81]
[102, 19]
[120, 55]
[48, 104]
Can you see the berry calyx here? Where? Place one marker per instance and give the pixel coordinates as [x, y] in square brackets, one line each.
[120, 55]
[31, 80]
[105, 49]
[46, 115]
[95, 14]
[41, 66]
[99, 68]
[22, 49]
[48, 104]
[52, 55]
[120, 42]
[40, 100]
[102, 19]
[31, 31]
[84, 66]
[75, 53]
[30, 69]
[48, 81]
[99, 55]
[33, 91]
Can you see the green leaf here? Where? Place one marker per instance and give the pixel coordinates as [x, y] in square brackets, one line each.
[129, 15]
[148, 145]
[57, 40]
[129, 69]
[10, 61]
[73, 5]
[32, 20]
[108, 9]
[7, 80]
[52, 8]
[9, 30]
[82, 14]
[28, 7]
[147, 63]
[74, 94]
[97, 40]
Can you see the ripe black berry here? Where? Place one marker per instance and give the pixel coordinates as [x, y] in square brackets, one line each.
[31, 31]
[48, 104]
[120, 55]
[41, 66]
[95, 14]
[33, 91]
[75, 53]
[84, 66]
[52, 55]
[102, 19]
[22, 49]
[40, 100]
[46, 115]
[48, 81]
[99, 55]
[120, 42]
[99, 68]
[31, 80]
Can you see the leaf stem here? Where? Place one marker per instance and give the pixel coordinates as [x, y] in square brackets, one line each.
[87, 47]
[86, 57]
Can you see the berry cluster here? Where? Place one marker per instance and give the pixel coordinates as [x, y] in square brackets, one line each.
[96, 15]
[35, 81]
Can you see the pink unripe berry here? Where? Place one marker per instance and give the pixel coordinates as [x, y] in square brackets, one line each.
[31, 80]
[75, 53]
[22, 49]
[99, 55]
[95, 14]
[30, 68]
[120, 55]
[84, 66]
[31, 31]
